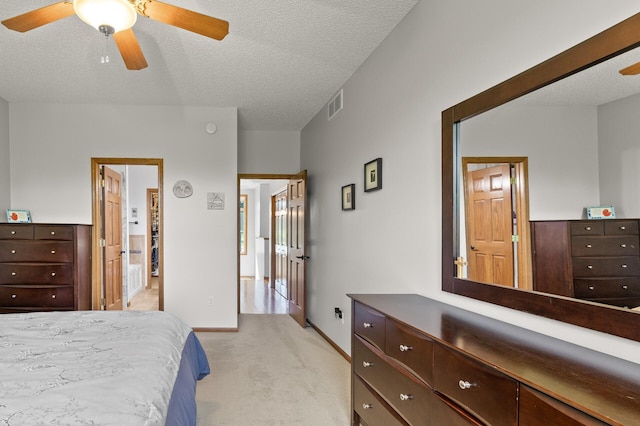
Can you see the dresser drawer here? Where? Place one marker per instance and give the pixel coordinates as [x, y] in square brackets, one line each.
[369, 324]
[407, 396]
[610, 287]
[16, 232]
[621, 227]
[52, 232]
[445, 413]
[371, 408]
[33, 273]
[538, 409]
[485, 392]
[40, 296]
[622, 266]
[587, 227]
[623, 245]
[412, 349]
[36, 251]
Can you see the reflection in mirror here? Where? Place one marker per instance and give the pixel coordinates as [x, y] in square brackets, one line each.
[548, 143]
[576, 139]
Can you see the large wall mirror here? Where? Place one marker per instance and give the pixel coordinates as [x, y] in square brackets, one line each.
[561, 136]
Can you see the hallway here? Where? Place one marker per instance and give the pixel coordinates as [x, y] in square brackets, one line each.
[256, 297]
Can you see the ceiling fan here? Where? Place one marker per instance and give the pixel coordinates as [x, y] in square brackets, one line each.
[116, 17]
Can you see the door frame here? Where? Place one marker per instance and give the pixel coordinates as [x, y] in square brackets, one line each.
[242, 176]
[96, 263]
[520, 203]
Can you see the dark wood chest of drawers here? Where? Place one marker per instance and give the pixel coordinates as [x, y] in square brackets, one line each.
[416, 361]
[596, 260]
[45, 267]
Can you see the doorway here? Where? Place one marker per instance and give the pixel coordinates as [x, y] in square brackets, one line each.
[141, 218]
[271, 277]
[496, 225]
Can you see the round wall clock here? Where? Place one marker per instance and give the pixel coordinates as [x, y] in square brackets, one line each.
[182, 189]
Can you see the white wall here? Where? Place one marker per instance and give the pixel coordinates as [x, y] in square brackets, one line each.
[440, 54]
[269, 152]
[247, 262]
[5, 187]
[560, 185]
[51, 149]
[619, 155]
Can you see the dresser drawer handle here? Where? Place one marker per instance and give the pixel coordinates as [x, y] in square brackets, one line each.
[625, 287]
[13, 296]
[623, 245]
[367, 325]
[53, 252]
[13, 274]
[464, 384]
[53, 296]
[53, 274]
[405, 397]
[622, 228]
[591, 287]
[588, 246]
[53, 232]
[366, 364]
[405, 348]
[587, 228]
[13, 232]
[623, 265]
[366, 406]
[589, 266]
[13, 252]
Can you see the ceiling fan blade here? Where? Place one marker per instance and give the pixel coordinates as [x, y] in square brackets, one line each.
[186, 19]
[39, 17]
[631, 70]
[130, 49]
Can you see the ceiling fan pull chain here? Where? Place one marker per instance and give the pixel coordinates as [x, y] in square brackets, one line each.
[105, 49]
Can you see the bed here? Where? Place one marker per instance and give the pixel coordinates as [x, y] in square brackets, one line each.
[98, 367]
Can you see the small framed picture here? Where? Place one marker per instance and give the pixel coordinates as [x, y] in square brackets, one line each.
[373, 175]
[601, 212]
[349, 197]
[18, 216]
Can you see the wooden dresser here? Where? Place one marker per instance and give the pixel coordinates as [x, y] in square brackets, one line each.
[45, 267]
[416, 361]
[596, 260]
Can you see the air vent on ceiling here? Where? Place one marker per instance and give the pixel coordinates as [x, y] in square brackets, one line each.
[335, 104]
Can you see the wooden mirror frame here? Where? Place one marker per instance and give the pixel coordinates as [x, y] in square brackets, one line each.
[612, 320]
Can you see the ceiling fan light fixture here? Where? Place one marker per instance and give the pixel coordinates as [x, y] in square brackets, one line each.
[118, 14]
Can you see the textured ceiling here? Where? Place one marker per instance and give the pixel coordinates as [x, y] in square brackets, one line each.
[280, 63]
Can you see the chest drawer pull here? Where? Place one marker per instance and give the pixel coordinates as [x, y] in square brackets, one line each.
[366, 405]
[625, 287]
[13, 252]
[622, 228]
[53, 274]
[366, 364]
[405, 397]
[465, 385]
[367, 325]
[13, 232]
[587, 228]
[53, 232]
[623, 245]
[53, 296]
[53, 252]
[405, 348]
[589, 266]
[13, 296]
[591, 287]
[624, 265]
[13, 274]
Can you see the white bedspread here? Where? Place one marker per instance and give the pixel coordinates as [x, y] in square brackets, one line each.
[89, 367]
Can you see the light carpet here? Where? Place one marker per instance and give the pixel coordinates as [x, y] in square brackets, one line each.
[273, 372]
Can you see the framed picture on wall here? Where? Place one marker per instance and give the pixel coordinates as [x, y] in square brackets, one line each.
[349, 197]
[373, 175]
[18, 216]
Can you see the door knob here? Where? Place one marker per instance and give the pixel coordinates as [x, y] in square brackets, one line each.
[302, 257]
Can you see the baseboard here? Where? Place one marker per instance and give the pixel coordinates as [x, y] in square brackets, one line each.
[214, 330]
[331, 342]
